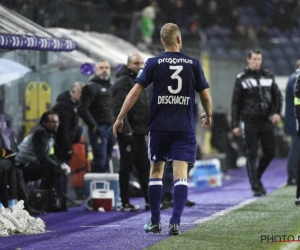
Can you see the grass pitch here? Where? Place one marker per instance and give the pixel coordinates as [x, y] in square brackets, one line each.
[259, 225]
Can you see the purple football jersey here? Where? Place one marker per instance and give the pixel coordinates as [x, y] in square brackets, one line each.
[176, 78]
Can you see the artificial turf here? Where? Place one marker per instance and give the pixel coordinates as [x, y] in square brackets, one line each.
[258, 225]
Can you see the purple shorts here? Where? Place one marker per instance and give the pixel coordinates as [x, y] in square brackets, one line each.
[171, 145]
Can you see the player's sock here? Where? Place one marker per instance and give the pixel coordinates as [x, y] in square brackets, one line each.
[179, 198]
[155, 191]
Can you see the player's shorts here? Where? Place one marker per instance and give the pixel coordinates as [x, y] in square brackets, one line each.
[171, 145]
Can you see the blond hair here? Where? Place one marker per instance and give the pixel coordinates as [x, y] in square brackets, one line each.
[168, 34]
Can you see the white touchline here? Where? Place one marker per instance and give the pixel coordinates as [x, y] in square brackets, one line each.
[223, 212]
[292, 245]
[103, 226]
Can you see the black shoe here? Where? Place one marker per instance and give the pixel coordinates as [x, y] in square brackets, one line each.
[257, 190]
[297, 202]
[147, 207]
[262, 189]
[174, 229]
[166, 205]
[257, 193]
[152, 227]
[130, 208]
[189, 203]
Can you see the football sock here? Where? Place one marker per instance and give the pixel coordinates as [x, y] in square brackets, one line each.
[155, 191]
[179, 198]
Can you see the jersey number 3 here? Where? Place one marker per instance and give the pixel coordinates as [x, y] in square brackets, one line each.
[176, 76]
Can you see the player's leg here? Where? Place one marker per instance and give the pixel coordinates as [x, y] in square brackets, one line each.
[180, 194]
[158, 141]
[183, 151]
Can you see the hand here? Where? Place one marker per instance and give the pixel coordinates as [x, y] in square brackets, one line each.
[206, 123]
[275, 118]
[236, 131]
[117, 128]
[65, 168]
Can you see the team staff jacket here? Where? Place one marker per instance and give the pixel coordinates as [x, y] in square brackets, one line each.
[68, 127]
[297, 95]
[36, 148]
[256, 96]
[96, 102]
[290, 126]
[136, 120]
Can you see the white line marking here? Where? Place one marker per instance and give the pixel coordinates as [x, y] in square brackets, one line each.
[103, 226]
[225, 211]
[292, 245]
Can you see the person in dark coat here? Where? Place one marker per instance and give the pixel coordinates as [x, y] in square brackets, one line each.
[96, 110]
[35, 155]
[290, 127]
[132, 141]
[257, 103]
[8, 182]
[297, 114]
[12, 183]
[220, 139]
[66, 107]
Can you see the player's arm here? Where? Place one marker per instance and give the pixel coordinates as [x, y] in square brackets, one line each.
[206, 101]
[130, 100]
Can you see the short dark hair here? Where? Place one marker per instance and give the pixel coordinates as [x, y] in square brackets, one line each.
[45, 116]
[254, 51]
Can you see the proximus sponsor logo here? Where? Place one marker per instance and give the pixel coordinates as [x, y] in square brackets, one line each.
[175, 60]
[171, 99]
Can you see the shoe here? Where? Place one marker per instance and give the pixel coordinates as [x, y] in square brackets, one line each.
[189, 203]
[297, 202]
[147, 207]
[257, 189]
[262, 189]
[174, 229]
[130, 208]
[154, 228]
[257, 193]
[166, 205]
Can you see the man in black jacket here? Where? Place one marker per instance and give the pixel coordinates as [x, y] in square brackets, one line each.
[96, 110]
[257, 102]
[132, 141]
[66, 107]
[8, 182]
[297, 113]
[36, 155]
[68, 130]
